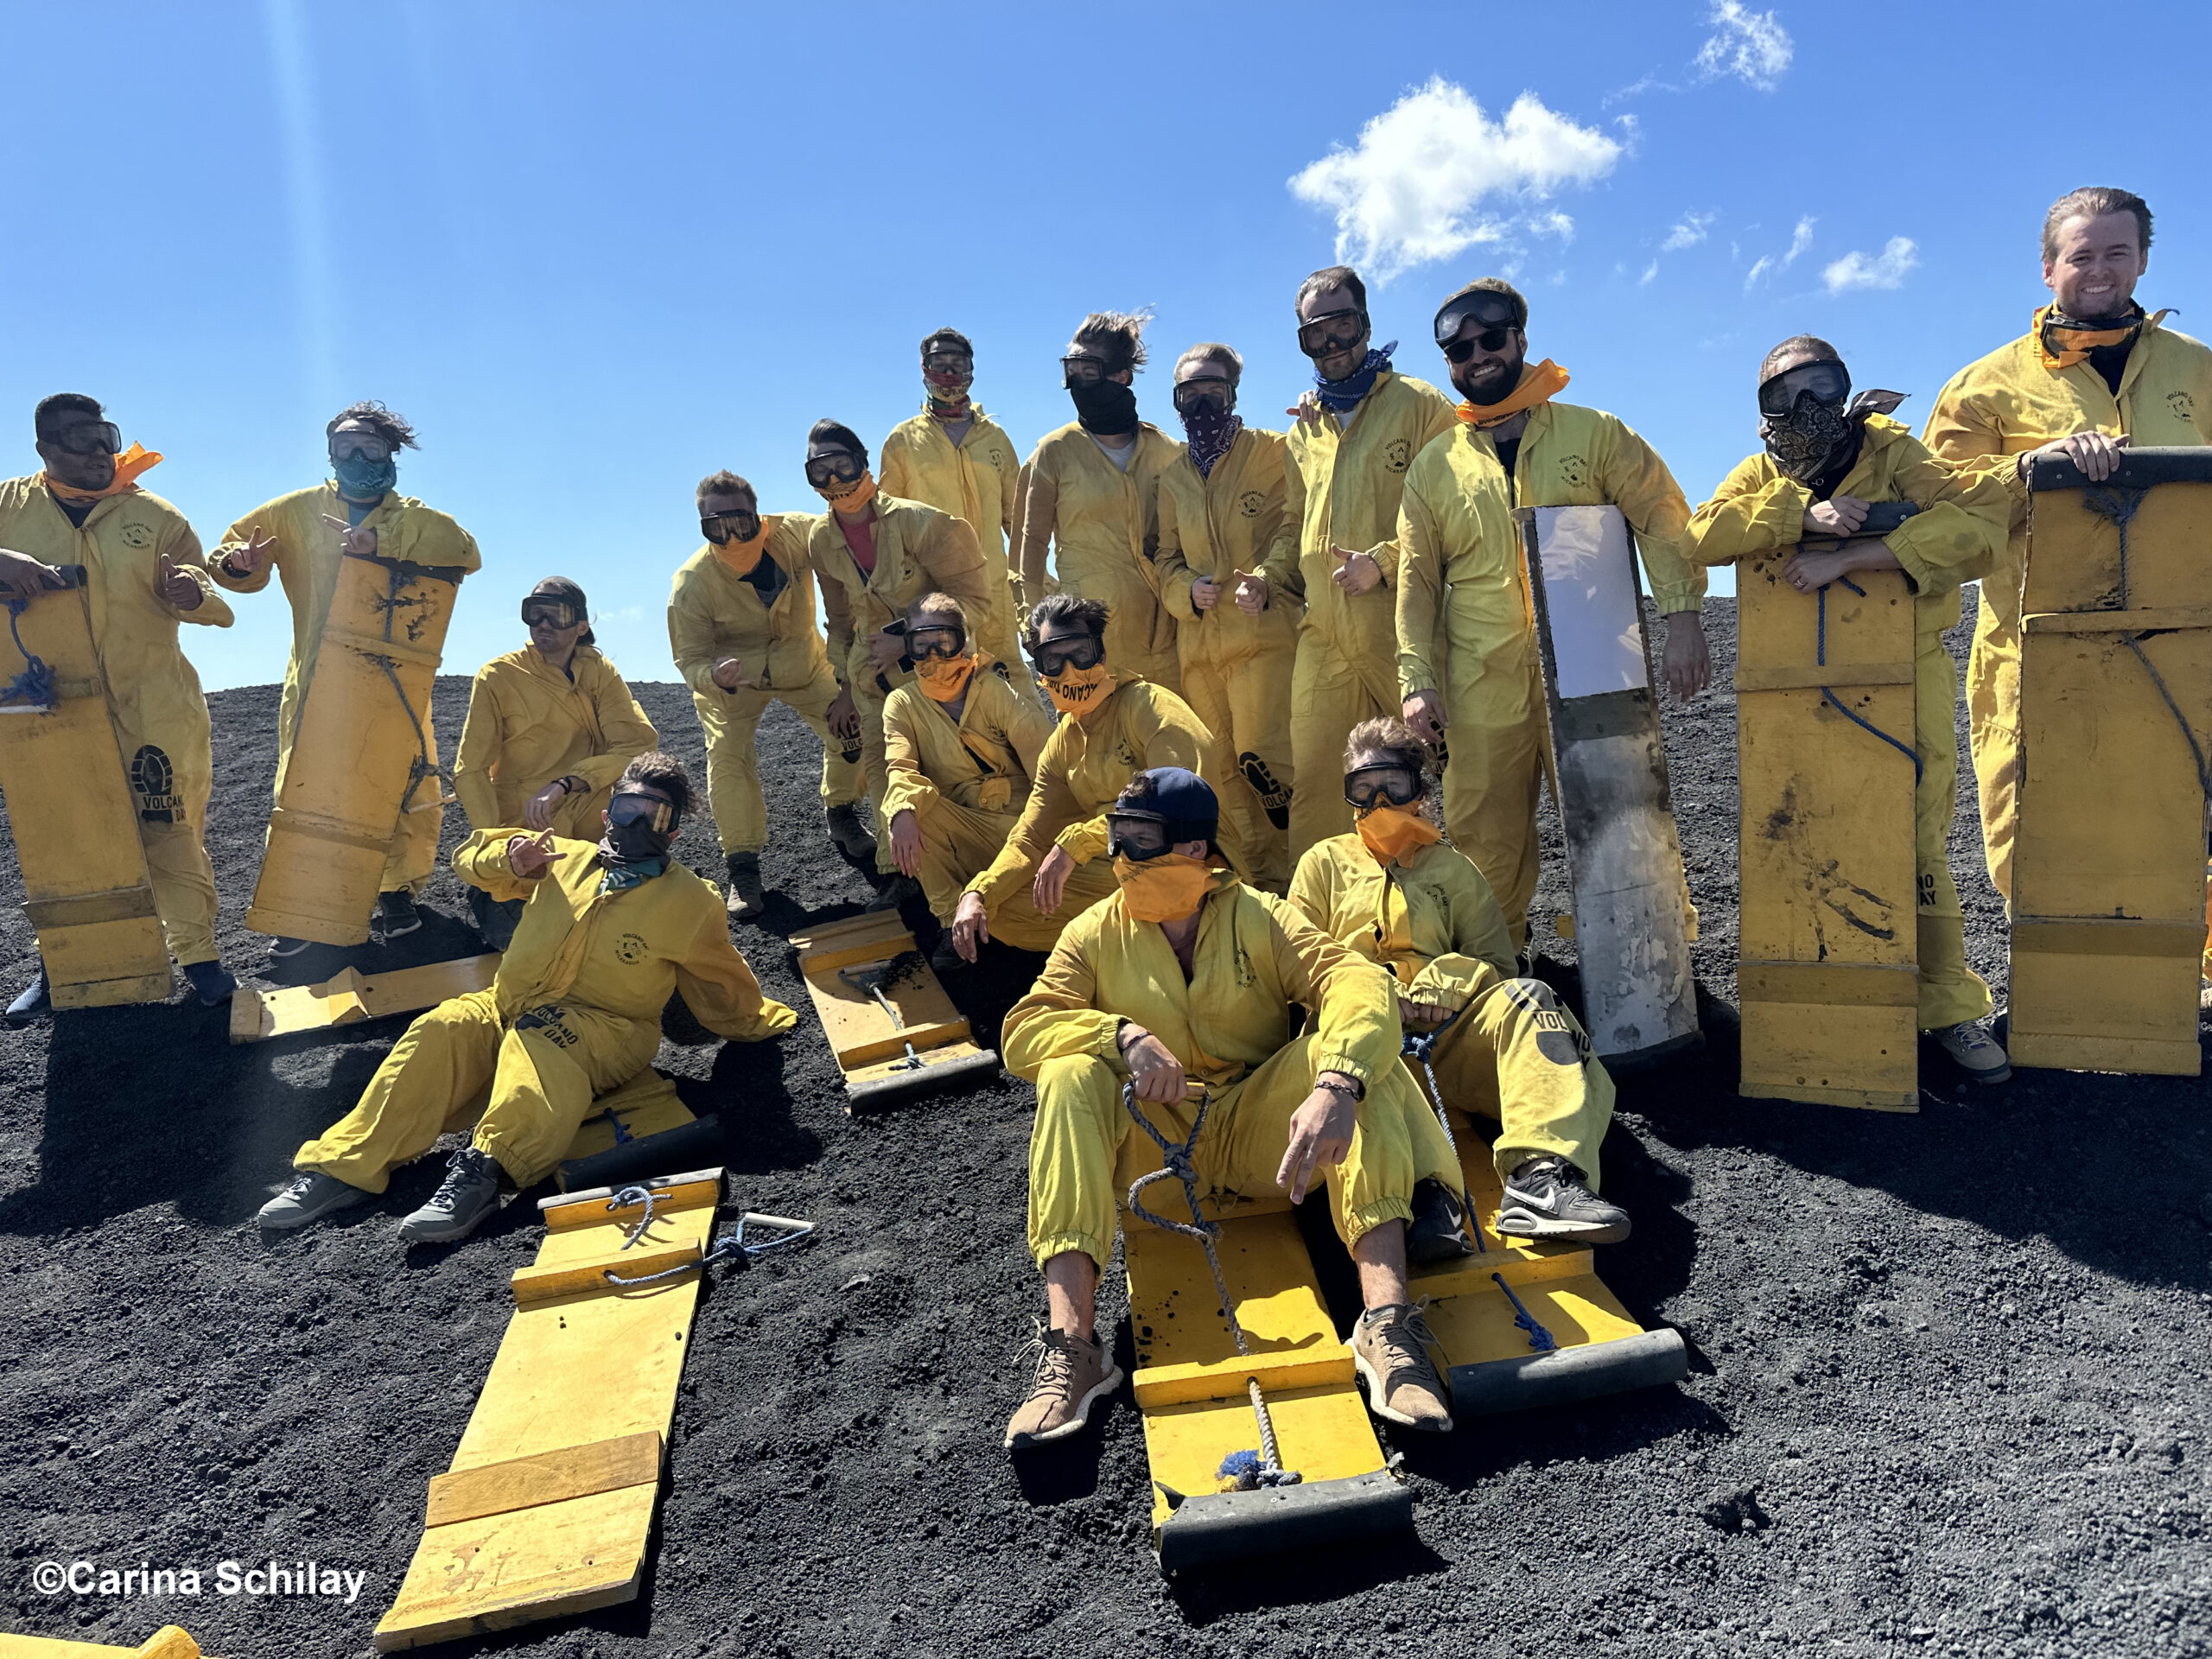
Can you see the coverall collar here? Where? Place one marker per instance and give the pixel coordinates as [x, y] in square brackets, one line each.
[536, 661]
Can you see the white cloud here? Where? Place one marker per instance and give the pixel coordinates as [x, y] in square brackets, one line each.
[1749, 45]
[1412, 190]
[1553, 224]
[1800, 240]
[1649, 271]
[1888, 269]
[1688, 232]
[1760, 266]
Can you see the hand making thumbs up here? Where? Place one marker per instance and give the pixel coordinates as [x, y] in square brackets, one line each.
[176, 586]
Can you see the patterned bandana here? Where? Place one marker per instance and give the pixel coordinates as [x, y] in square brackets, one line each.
[2062, 342]
[1212, 429]
[1342, 396]
[1808, 442]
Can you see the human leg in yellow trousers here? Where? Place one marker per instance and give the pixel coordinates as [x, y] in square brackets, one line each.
[959, 842]
[1329, 696]
[1494, 775]
[731, 723]
[1950, 992]
[184, 883]
[1994, 732]
[540, 1075]
[1246, 705]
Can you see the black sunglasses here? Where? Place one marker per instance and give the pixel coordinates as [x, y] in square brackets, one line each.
[1491, 340]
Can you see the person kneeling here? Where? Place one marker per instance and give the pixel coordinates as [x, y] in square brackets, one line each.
[1506, 1049]
[1185, 974]
[575, 1011]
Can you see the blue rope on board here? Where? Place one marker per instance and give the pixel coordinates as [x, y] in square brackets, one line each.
[1539, 1339]
[35, 685]
[1835, 702]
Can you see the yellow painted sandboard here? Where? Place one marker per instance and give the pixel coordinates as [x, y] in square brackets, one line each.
[351, 996]
[927, 1043]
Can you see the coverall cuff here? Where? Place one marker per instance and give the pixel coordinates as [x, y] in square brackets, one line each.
[1084, 841]
[1924, 577]
[1052, 1244]
[1364, 1220]
[1677, 596]
[1416, 674]
[1345, 1064]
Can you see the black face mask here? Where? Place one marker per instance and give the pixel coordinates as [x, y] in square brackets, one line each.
[1107, 406]
[634, 843]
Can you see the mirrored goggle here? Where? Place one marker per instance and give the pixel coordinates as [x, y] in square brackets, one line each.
[924, 643]
[648, 810]
[832, 469]
[549, 614]
[1207, 389]
[1491, 340]
[1134, 838]
[1081, 371]
[1374, 785]
[1086, 652]
[367, 446]
[1829, 383]
[1332, 330]
[721, 527]
[90, 438]
[952, 365]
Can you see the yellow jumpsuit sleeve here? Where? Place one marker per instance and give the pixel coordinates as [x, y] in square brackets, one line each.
[1963, 431]
[953, 560]
[1964, 519]
[182, 543]
[480, 735]
[718, 985]
[1040, 503]
[892, 476]
[1482, 945]
[1356, 1015]
[1637, 482]
[481, 861]
[1746, 517]
[906, 787]
[623, 726]
[271, 519]
[1422, 560]
[1050, 801]
[1173, 568]
[1026, 730]
[1060, 1018]
[836, 607]
[1010, 507]
[692, 633]
[1283, 572]
[1438, 416]
[1313, 888]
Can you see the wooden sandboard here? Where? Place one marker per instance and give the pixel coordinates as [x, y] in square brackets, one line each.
[548, 1508]
[349, 997]
[361, 733]
[2109, 864]
[1828, 951]
[70, 813]
[170, 1641]
[928, 1046]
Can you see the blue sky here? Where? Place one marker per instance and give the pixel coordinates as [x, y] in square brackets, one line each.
[594, 252]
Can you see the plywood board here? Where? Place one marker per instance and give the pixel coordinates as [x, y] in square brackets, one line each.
[922, 1033]
[351, 996]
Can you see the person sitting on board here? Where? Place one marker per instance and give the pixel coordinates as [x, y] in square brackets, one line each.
[1828, 458]
[550, 728]
[608, 932]
[1187, 975]
[1394, 892]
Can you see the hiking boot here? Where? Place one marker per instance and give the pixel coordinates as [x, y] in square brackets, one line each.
[746, 900]
[894, 890]
[1071, 1372]
[851, 837]
[1438, 1232]
[496, 919]
[310, 1196]
[212, 984]
[1546, 1198]
[1390, 1347]
[396, 914]
[281, 946]
[1974, 1051]
[469, 1193]
[32, 1002]
[946, 957]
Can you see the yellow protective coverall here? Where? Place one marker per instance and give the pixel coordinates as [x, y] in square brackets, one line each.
[1956, 535]
[574, 1011]
[1102, 526]
[1514, 1053]
[529, 723]
[309, 557]
[1343, 484]
[978, 483]
[966, 782]
[2004, 405]
[1463, 618]
[1230, 1026]
[715, 613]
[919, 550]
[1086, 766]
[154, 699]
[1236, 669]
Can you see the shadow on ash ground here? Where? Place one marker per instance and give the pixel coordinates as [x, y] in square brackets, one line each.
[1948, 1391]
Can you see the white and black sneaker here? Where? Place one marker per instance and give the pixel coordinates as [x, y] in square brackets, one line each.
[395, 915]
[1974, 1051]
[469, 1194]
[1546, 1198]
[310, 1196]
[1438, 1232]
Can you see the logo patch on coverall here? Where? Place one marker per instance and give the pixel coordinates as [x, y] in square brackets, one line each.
[1397, 455]
[1574, 471]
[1250, 502]
[1559, 1039]
[138, 535]
[2182, 404]
[630, 947]
[155, 782]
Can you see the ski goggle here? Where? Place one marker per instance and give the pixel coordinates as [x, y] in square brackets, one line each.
[651, 810]
[938, 639]
[1491, 340]
[1139, 838]
[1331, 332]
[549, 614]
[951, 365]
[367, 446]
[721, 527]
[1082, 371]
[836, 468]
[1489, 310]
[1829, 383]
[1078, 651]
[90, 438]
[1201, 389]
[1374, 785]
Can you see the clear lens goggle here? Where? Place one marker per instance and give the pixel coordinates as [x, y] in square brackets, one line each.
[1331, 332]
[346, 446]
[1138, 838]
[952, 366]
[721, 527]
[838, 468]
[938, 639]
[550, 613]
[1829, 383]
[1082, 371]
[1085, 651]
[1203, 389]
[648, 810]
[90, 438]
[1373, 785]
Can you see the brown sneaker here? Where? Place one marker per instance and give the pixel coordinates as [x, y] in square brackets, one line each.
[1389, 1346]
[1071, 1372]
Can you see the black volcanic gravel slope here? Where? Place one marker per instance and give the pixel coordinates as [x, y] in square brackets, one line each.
[1949, 1389]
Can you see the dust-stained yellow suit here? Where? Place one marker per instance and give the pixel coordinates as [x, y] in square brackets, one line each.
[1466, 629]
[1956, 536]
[308, 556]
[1514, 1053]
[574, 1012]
[1344, 485]
[154, 700]
[713, 613]
[529, 723]
[1230, 1026]
[978, 482]
[1236, 669]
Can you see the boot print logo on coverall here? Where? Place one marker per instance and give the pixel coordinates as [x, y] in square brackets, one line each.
[153, 780]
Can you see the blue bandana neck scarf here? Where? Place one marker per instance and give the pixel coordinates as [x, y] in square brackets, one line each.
[1211, 430]
[618, 874]
[1342, 396]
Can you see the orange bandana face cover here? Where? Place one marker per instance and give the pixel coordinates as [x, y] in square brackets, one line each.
[849, 498]
[944, 679]
[128, 466]
[1078, 690]
[740, 558]
[1390, 832]
[1162, 889]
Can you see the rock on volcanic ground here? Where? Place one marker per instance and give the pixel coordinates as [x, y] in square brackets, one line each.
[1949, 1389]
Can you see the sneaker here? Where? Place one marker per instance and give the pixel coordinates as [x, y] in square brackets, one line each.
[1438, 1232]
[894, 890]
[469, 1193]
[1974, 1051]
[746, 900]
[946, 957]
[1546, 1198]
[211, 983]
[284, 947]
[311, 1195]
[1390, 1347]
[32, 1002]
[851, 837]
[1071, 1372]
[496, 919]
[396, 914]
